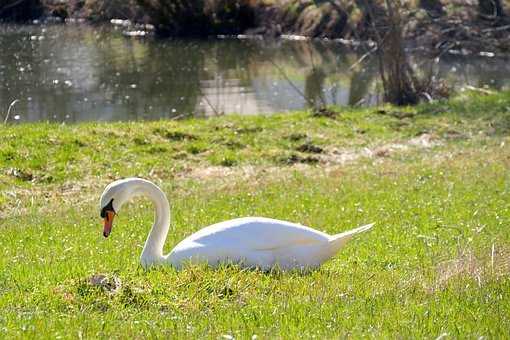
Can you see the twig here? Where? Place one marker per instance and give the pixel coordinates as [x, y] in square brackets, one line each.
[477, 89]
[494, 14]
[208, 102]
[180, 116]
[363, 57]
[442, 336]
[428, 96]
[16, 3]
[492, 257]
[369, 278]
[291, 83]
[9, 110]
[497, 29]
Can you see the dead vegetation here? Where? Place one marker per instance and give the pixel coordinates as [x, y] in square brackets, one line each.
[199, 17]
[329, 159]
[109, 283]
[493, 264]
[462, 29]
[19, 199]
[458, 26]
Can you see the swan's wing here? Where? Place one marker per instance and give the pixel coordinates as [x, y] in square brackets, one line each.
[257, 233]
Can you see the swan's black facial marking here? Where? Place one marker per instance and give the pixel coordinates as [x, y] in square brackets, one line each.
[106, 208]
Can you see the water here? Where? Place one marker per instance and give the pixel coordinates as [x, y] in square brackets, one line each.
[72, 73]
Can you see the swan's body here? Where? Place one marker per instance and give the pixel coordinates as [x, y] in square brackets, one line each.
[254, 242]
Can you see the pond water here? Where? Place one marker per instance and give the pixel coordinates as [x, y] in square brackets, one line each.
[71, 73]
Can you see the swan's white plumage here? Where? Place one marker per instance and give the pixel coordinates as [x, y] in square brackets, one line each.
[250, 242]
[270, 233]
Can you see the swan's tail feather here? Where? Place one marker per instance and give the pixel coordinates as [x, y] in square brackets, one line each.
[339, 240]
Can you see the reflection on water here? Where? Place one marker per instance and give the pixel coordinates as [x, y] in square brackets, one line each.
[80, 73]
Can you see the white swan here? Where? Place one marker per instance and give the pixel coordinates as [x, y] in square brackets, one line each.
[254, 242]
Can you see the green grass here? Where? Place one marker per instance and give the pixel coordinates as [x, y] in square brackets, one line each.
[438, 260]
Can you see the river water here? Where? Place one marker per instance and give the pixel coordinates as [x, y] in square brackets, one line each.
[72, 73]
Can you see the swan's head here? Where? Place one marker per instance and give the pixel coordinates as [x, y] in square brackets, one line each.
[112, 199]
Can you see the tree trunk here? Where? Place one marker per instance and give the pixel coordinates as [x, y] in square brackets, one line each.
[490, 9]
[397, 76]
[314, 85]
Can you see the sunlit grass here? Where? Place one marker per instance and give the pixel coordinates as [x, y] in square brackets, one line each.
[437, 262]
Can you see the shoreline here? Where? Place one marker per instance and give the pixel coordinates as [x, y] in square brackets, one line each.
[458, 32]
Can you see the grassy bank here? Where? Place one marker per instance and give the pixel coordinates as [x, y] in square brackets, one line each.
[434, 178]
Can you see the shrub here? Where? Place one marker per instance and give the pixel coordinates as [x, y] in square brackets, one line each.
[199, 17]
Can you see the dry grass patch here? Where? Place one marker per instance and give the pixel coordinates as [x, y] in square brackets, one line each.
[493, 264]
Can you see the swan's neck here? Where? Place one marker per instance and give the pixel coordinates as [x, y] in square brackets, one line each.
[153, 250]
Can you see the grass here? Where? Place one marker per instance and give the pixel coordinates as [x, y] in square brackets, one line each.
[438, 261]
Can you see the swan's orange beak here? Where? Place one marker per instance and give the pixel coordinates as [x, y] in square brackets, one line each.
[108, 223]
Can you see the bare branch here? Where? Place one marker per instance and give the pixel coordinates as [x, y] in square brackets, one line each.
[9, 110]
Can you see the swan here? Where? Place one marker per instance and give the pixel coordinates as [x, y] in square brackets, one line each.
[251, 242]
